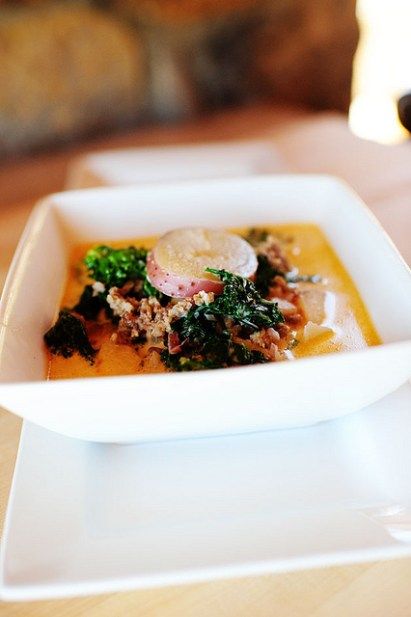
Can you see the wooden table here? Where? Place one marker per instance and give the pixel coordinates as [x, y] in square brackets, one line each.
[380, 589]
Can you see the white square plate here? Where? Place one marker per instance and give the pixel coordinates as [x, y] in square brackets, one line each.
[88, 518]
[172, 163]
[160, 406]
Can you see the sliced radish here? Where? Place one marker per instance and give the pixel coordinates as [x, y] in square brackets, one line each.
[177, 264]
[178, 286]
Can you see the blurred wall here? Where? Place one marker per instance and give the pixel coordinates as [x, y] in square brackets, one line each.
[69, 69]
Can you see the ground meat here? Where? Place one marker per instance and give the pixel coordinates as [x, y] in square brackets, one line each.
[179, 309]
[203, 298]
[118, 303]
[151, 319]
[265, 337]
[148, 320]
[266, 341]
[295, 320]
[127, 330]
[281, 289]
[283, 330]
[282, 292]
[98, 288]
[272, 250]
[289, 302]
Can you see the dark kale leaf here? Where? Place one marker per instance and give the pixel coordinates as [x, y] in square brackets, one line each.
[264, 277]
[242, 302]
[90, 304]
[234, 354]
[198, 325]
[240, 354]
[205, 335]
[69, 336]
[114, 267]
[182, 363]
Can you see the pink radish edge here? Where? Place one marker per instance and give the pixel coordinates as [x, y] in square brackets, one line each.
[178, 286]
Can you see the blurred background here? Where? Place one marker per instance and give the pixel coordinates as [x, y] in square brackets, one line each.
[382, 71]
[70, 70]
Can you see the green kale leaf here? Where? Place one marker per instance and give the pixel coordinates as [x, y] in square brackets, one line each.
[69, 336]
[115, 267]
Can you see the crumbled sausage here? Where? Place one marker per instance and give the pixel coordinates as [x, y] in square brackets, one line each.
[272, 250]
[202, 297]
[118, 303]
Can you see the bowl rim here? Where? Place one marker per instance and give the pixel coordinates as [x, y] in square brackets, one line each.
[43, 207]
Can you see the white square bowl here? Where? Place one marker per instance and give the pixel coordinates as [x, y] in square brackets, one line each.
[245, 399]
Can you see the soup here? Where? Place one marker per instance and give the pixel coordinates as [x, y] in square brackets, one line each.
[287, 296]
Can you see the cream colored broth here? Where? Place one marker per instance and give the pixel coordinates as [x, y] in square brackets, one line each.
[343, 309]
[334, 303]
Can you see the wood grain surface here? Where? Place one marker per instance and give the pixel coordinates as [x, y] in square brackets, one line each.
[379, 589]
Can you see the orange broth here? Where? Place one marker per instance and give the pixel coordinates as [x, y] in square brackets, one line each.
[306, 248]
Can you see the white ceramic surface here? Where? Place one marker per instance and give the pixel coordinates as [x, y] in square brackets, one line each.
[91, 518]
[166, 406]
[169, 163]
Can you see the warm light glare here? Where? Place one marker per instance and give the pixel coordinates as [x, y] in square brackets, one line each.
[382, 69]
